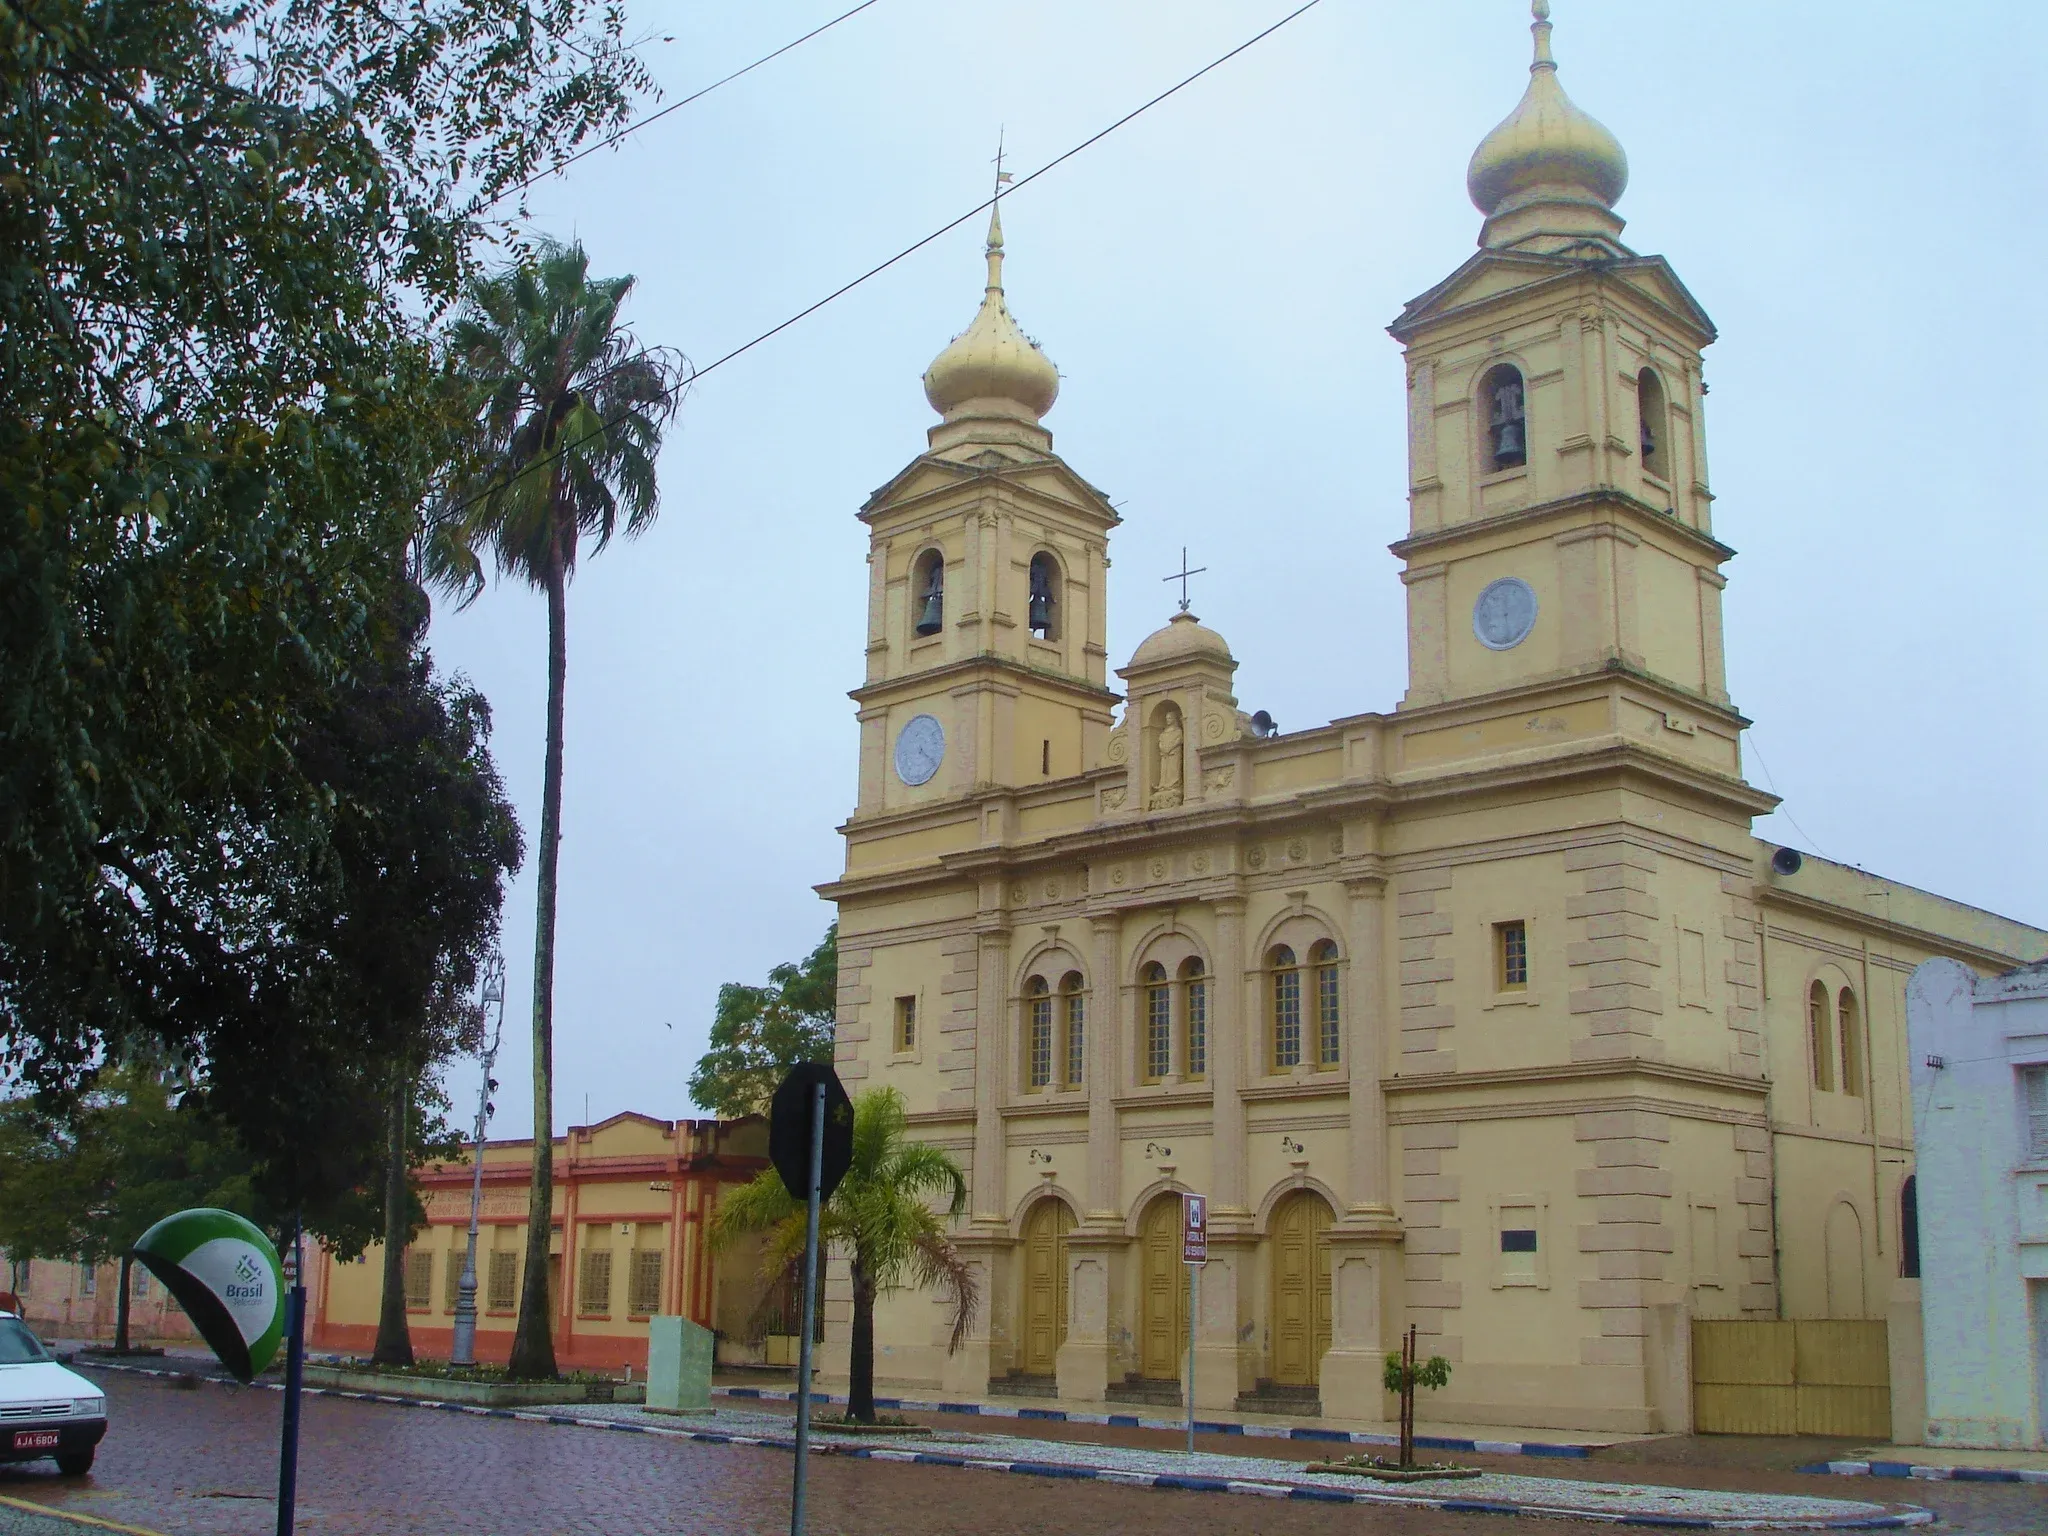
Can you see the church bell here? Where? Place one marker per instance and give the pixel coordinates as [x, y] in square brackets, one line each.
[933, 617]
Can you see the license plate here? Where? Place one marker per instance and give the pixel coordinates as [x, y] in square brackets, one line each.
[35, 1439]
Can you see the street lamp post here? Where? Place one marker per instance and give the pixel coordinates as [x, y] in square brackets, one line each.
[464, 1350]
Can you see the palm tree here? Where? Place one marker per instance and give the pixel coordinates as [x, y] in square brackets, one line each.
[570, 414]
[880, 1216]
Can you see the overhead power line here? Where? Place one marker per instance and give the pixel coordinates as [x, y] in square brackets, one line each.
[655, 117]
[909, 250]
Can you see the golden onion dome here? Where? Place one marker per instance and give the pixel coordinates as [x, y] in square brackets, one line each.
[992, 361]
[1547, 150]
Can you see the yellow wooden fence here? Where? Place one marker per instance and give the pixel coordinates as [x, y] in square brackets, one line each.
[1791, 1378]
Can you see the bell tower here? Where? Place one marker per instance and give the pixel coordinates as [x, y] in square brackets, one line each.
[987, 570]
[1559, 519]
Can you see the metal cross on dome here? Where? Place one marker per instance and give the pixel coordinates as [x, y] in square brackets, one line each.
[1182, 576]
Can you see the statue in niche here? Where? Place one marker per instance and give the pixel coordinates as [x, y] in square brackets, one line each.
[1166, 778]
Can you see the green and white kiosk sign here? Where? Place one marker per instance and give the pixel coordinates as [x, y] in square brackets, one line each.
[225, 1274]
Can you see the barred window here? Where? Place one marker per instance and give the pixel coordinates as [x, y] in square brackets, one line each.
[138, 1281]
[1511, 956]
[594, 1283]
[1329, 1017]
[1158, 1023]
[1038, 1005]
[1077, 1029]
[504, 1292]
[88, 1278]
[1195, 1012]
[1286, 988]
[643, 1292]
[906, 1023]
[2034, 1084]
[419, 1279]
[456, 1258]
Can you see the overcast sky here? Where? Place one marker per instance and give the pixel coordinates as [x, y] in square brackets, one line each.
[1855, 192]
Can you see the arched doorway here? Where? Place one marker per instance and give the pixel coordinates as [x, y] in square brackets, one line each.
[1844, 1249]
[1045, 1285]
[1163, 1293]
[1301, 1288]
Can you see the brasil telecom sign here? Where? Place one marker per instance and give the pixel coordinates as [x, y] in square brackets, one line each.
[225, 1274]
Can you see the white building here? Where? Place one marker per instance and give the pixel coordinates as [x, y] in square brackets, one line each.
[1979, 1053]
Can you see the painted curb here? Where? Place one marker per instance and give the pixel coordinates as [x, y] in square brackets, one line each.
[1202, 1426]
[1897, 1520]
[1927, 1474]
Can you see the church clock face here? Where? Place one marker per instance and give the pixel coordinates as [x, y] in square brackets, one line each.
[1504, 613]
[920, 748]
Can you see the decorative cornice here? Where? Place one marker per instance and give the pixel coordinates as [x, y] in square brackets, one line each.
[1654, 519]
[1576, 1072]
[1851, 917]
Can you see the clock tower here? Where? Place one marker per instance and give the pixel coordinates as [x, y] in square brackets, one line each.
[987, 569]
[1559, 512]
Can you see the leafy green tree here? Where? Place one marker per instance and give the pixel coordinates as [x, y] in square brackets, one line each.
[227, 233]
[571, 414]
[759, 1033]
[1403, 1374]
[880, 1217]
[88, 1187]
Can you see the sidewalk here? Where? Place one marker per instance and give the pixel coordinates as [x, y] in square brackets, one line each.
[1939, 1463]
[1487, 1439]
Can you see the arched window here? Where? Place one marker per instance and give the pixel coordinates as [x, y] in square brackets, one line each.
[1820, 1037]
[1158, 1023]
[1285, 985]
[1329, 1017]
[1038, 1028]
[1654, 425]
[1075, 1003]
[1850, 1027]
[1909, 1228]
[1503, 408]
[928, 592]
[1195, 1016]
[1043, 614]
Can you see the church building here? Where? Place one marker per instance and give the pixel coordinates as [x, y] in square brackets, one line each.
[1484, 1013]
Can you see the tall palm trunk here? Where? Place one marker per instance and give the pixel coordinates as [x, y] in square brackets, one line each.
[860, 1365]
[533, 1346]
[394, 1336]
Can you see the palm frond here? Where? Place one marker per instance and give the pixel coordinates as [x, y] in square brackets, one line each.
[937, 1263]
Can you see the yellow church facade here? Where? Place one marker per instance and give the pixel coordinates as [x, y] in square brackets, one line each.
[1485, 1014]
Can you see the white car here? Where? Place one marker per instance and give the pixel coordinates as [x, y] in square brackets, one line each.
[45, 1410]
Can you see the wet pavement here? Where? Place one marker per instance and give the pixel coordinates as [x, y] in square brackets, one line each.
[202, 1460]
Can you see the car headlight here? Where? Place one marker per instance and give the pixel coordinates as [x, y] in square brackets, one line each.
[89, 1407]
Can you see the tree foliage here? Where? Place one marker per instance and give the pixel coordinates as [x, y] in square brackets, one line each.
[227, 233]
[759, 1033]
[880, 1217]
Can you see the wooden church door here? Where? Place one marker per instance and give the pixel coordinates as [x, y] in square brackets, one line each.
[1045, 1285]
[1301, 1288]
[1164, 1300]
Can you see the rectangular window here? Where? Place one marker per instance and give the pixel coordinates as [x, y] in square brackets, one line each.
[1329, 1021]
[1692, 968]
[1077, 1039]
[452, 1288]
[643, 1291]
[138, 1281]
[1198, 1028]
[88, 1278]
[1158, 1031]
[1518, 1244]
[2035, 1082]
[419, 1279]
[1286, 1019]
[1706, 1245]
[1511, 956]
[1041, 1041]
[906, 1023]
[504, 1287]
[594, 1283]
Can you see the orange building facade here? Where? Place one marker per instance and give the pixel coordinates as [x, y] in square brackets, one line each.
[633, 1200]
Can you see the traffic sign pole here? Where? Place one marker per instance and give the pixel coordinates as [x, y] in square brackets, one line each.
[1194, 1252]
[1194, 1272]
[803, 1368]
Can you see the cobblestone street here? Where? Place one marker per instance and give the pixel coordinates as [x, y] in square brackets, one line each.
[201, 1461]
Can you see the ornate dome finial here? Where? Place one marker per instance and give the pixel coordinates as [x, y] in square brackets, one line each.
[1549, 169]
[992, 367]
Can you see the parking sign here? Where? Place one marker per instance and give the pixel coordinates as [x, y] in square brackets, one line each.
[1194, 1229]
